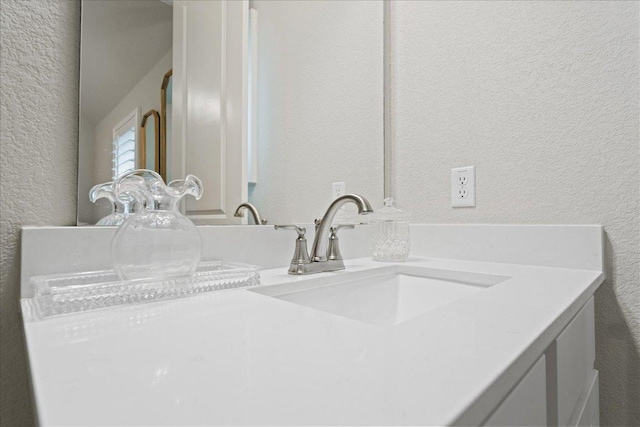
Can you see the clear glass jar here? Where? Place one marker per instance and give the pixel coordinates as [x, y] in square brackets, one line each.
[389, 234]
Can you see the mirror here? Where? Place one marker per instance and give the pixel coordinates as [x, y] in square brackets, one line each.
[314, 91]
[126, 48]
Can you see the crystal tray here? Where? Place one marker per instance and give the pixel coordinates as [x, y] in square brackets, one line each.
[69, 293]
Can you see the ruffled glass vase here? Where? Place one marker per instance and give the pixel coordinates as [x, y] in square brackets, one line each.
[159, 241]
[120, 208]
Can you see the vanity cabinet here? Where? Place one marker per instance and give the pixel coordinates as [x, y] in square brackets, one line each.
[526, 405]
[575, 360]
[516, 348]
[562, 386]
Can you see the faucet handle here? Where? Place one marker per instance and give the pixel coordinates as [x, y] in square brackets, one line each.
[300, 255]
[335, 228]
[300, 230]
[334, 249]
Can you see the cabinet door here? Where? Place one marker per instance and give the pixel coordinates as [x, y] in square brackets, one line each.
[209, 130]
[576, 356]
[587, 413]
[526, 405]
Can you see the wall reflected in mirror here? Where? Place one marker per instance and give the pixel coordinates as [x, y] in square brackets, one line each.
[316, 110]
[319, 105]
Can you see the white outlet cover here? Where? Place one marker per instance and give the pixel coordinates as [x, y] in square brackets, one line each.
[338, 189]
[463, 187]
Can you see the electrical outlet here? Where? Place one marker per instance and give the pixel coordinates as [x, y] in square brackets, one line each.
[338, 190]
[463, 187]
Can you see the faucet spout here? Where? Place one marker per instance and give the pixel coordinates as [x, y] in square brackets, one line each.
[321, 241]
[257, 218]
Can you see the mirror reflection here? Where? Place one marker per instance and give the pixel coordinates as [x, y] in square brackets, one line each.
[166, 105]
[125, 51]
[150, 141]
[159, 90]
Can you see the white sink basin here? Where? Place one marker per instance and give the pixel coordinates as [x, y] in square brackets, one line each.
[383, 296]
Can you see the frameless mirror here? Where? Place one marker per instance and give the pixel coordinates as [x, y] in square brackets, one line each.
[315, 94]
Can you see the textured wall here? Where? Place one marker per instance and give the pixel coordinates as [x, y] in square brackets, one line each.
[320, 105]
[542, 97]
[38, 157]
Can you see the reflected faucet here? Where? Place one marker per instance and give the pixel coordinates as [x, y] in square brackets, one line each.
[325, 253]
[257, 218]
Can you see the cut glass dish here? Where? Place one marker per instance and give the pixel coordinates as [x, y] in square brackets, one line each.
[69, 293]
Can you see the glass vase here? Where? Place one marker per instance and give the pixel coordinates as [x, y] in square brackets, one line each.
[159, 241]
[120, 208]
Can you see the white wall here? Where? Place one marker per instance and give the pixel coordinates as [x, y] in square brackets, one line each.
[320, 105]
[145, 96]
[542, 97]
[38, 160]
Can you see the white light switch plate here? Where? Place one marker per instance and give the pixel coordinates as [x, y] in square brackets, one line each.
[463, 187]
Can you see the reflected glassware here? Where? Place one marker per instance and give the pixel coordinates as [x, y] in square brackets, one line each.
[159, 241]
[390, 233]
[120, 208]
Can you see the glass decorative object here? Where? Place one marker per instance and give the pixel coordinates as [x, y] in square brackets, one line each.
[120, 208]
[390, 233]
[159, 241]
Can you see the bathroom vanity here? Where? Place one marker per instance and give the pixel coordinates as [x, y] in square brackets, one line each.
[484, 325]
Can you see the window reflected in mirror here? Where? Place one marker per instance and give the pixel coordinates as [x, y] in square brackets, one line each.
[125, 138]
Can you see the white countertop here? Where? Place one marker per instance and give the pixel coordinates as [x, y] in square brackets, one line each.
[239, 357]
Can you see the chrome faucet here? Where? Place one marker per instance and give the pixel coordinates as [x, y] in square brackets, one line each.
[257, 218]
[325, 253]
